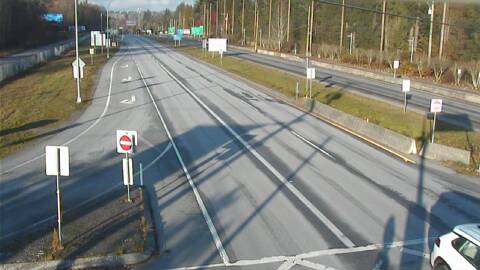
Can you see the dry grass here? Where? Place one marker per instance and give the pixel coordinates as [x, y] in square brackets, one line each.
[39, 101]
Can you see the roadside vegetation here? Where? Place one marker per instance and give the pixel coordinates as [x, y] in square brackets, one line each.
[411, 124]
[34, 104]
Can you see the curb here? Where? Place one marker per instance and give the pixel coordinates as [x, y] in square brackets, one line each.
[109, 261]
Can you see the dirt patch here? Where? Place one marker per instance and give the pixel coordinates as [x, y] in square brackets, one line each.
[107, 226]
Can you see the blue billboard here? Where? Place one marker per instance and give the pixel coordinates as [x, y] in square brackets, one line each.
[53, 17]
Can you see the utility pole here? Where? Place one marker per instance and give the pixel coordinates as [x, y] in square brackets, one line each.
[204, 18]
[269, 21]
[308, 34]
[233, 17]
[342, 25]
[288, 22]
[382, 33]
[432, 10]
[101, 31]
[108, 36]
[442, 32]
[79, 98]
[255, 25]
[243, 22]
[216, 21]
[311, 27]
[225, 19]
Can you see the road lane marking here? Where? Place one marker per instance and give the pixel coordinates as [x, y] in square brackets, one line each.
[105, 109]
[300, 258]
[150, 164]
[330, 225]
[127, 79]
[206, 215]
[312, 144]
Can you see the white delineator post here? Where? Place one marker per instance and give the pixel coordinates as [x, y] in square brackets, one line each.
[79, 98]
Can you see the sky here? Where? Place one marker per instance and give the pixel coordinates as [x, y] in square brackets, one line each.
[121, 5]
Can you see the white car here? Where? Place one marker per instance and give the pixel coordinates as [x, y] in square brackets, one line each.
[459, 249]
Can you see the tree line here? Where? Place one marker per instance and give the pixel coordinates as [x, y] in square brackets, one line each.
[434, 38]
[22, 26]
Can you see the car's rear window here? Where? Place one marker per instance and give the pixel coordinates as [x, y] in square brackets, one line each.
[468, 250]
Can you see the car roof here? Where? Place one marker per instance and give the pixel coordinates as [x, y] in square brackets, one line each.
[469, 231]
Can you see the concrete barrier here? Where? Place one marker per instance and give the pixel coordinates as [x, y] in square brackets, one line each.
[386, 137]
[14, 67]
[445, 153]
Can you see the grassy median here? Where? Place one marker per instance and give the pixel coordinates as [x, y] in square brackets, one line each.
[411, 124]
[34, 104]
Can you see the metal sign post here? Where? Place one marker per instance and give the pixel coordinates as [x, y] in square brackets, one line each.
[126, 140]
[435, 107]
[92, 52]
[296, 92]
[405, 90]
[57, 164]
[221, 57]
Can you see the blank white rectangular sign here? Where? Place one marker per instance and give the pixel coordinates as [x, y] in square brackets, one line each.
[217, 44]
[396, 64]
[310, 73]
[52, 160]
[406, 86]
[127, 171]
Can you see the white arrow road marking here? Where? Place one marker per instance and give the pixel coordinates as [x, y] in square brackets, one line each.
[127, 79]
[124, 66]
[129, 101]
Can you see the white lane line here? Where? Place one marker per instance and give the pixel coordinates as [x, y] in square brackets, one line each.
[127, 79]
[288, 264]
[312, 144]
[91, 199]
[300, 258]
[206, 216]
[312, 265]
[330, 225]
[84, 131]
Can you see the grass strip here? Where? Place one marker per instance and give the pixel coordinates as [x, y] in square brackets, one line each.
[37, 102]
[392, 117]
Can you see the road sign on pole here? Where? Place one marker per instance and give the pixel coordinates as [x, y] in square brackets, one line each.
[396, 65]
[435, 107]
[126, 141]
[405, 90]
[57, 164]
[75, 68]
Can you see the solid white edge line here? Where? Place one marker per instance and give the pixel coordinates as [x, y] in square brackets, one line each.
[105, 109]
[311, 144]
[206, 215]
[333, 228]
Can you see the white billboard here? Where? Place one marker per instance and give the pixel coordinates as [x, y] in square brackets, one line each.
[217, 45]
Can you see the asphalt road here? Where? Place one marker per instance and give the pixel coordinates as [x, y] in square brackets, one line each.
[239, 179]
[458, 112]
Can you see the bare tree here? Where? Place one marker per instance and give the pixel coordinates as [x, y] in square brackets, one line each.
[280, 31]
[421, 61]
[474, 71]
[440, 66]
[370, 55]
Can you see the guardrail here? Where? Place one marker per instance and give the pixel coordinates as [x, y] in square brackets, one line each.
[24, 63]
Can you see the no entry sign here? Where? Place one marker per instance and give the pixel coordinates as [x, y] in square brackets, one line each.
[436, 105]
[126, 140]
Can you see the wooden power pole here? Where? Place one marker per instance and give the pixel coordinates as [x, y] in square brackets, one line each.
[442, 32]
[269, 21]
[382, 33]
[288, 22]
[342, 25]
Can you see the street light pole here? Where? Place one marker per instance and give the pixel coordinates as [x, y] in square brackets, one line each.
[79, 98]
[108, 36]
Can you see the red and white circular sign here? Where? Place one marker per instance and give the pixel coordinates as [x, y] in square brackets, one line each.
[125, 143]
